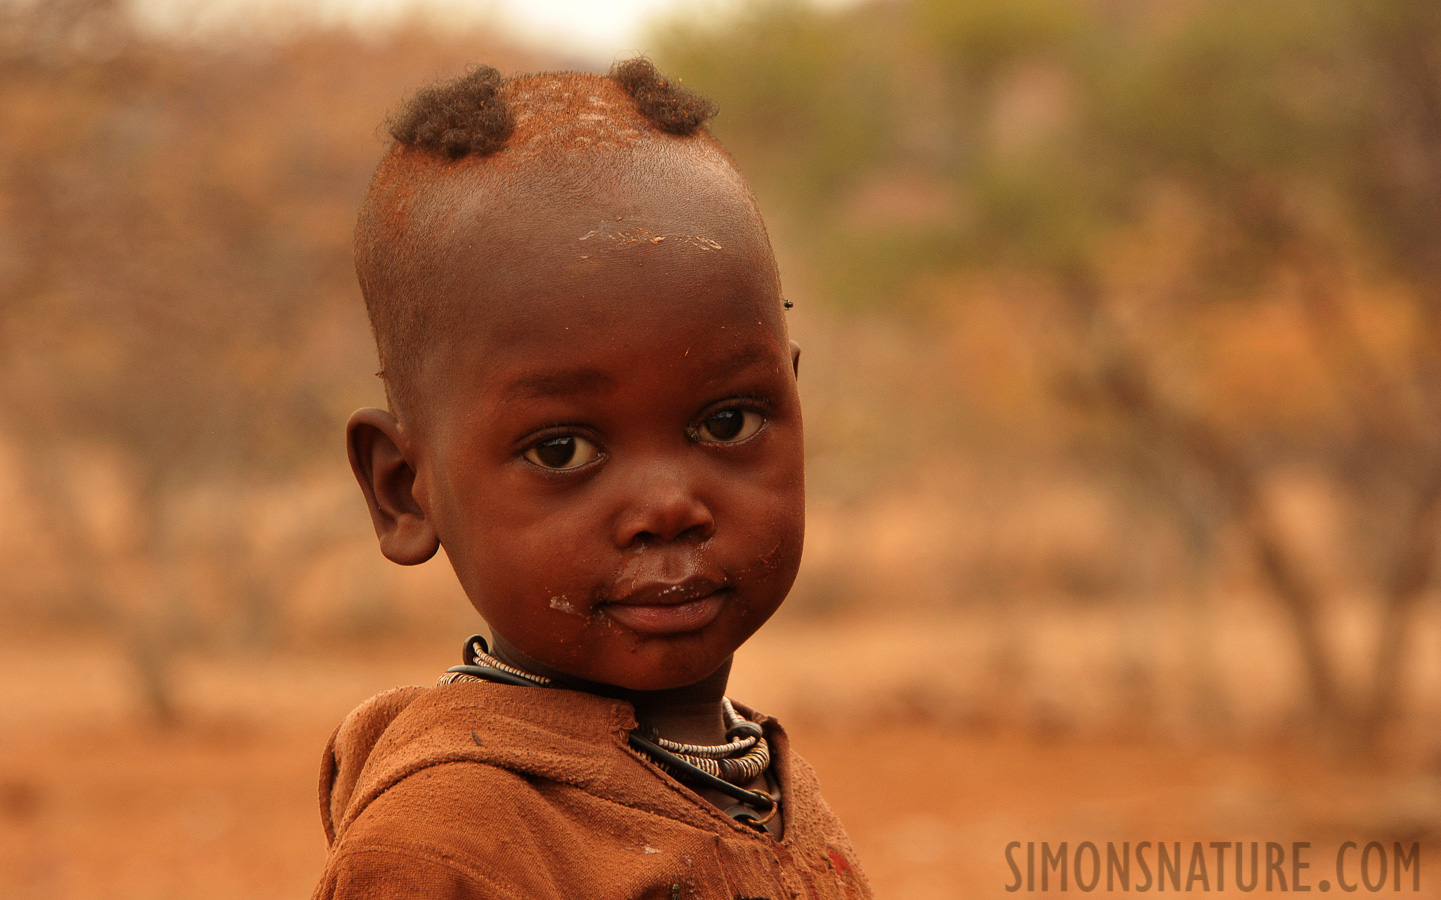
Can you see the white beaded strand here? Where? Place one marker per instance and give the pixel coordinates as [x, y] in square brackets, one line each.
[739, 761]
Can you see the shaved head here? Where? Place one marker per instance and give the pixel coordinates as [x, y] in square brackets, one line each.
[493, 185]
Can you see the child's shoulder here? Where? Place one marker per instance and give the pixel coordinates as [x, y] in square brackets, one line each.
[555, 735]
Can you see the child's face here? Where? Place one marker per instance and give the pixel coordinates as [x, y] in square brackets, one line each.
[610, 447]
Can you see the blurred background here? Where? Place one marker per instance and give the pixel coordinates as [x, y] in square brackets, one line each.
[1122, 329]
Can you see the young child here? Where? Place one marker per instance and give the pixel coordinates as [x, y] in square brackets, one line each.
[593, 409]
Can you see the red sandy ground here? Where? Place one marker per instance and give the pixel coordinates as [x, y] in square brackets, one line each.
[93, 804]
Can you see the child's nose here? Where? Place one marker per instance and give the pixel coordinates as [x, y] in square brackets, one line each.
[663, 507]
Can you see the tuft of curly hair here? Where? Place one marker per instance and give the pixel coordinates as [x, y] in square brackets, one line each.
[669, 106]
[472, 114]
[456, 118]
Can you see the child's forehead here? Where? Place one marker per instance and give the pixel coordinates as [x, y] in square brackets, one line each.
[585, 288]
[679, 204]
[555, 287]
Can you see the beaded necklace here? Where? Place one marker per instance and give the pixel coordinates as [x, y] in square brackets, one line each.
[724, 767]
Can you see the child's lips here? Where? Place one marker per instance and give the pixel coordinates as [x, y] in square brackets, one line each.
[668, 608]
[668, 618]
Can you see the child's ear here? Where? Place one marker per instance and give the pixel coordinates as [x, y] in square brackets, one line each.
[796, 358]
[387, 479]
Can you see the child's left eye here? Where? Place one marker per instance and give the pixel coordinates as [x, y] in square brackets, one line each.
[729, 426]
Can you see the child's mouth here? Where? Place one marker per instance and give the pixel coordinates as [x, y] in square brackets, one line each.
[674, 618]
[668, 608]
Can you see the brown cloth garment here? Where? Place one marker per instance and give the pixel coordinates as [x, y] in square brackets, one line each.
[486, 790]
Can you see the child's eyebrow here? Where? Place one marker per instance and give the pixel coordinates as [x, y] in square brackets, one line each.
[747, 356]
[547, 384]
[743, 360]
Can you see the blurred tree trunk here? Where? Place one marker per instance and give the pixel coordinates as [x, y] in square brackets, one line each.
[1395, 418]
[145, 635]
[1413, 572]
[1113, 375]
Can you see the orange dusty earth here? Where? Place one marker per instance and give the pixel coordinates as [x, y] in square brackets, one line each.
[95, 804]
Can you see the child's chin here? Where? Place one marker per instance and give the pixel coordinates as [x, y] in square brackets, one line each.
[659, 679]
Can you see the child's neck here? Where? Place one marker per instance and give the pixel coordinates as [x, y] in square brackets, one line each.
[691, 714]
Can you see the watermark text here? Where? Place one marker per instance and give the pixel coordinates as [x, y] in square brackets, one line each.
[1206, 866]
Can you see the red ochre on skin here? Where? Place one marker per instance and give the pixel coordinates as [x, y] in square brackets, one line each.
[645, 566]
